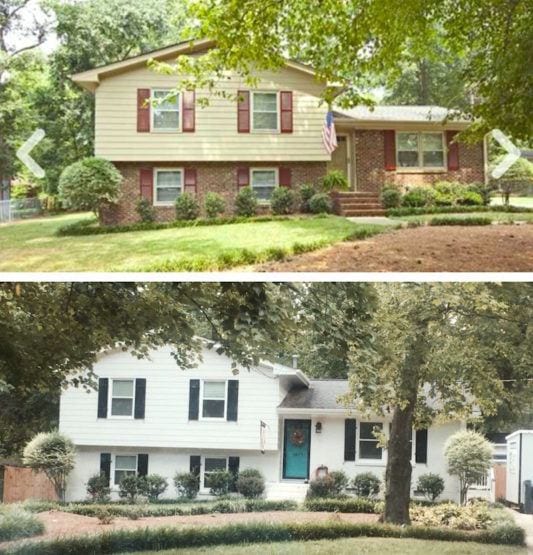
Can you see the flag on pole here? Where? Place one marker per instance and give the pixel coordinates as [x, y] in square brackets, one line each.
[329, 135]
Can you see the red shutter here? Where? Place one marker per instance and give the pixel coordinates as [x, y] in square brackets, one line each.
[285, 177]
[188, 109]
[243, 112]
[143, 110]
[243, 177]
[453, 151]
[286, 111]
[190, 181]
[390, 149]
[146, 183]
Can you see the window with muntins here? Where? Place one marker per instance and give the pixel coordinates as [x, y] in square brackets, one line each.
[125, 465]
[212, 465]
[214, 399]
[122, 397]
[368, 443]
[263, 182]
[420, 150]
[166, 112]
[265, 111]
[168, 186]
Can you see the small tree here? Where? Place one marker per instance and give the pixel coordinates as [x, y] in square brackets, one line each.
[98, 488]
[55, 455]
[469, 457]
[90, 184]
[431, 485]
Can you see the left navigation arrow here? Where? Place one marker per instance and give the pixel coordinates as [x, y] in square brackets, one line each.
[23, 153]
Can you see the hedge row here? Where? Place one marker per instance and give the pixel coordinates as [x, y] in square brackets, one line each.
[170, 538]
[473, 220]
[419, 211]
[349, 505]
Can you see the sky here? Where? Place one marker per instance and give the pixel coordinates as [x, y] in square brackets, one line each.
[29, 14]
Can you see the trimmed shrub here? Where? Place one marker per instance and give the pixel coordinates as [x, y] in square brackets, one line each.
[471, 220]
[331, 485]
[391, 197]
[366, 484]
[344, 505]
[306, 193]
[282, 201]
[417, 211]
[145, 210]
[474, 516]
[418, 197]
[431, 485]
[320, 203]
[250, 483]
[15, 522]
[153, 486]
[335, 180]
[187, 207]
[219, 482]
[470, 198]
[485, 191]
[130, 487]
[98, 488]
[187, 484]
[246, 202]
[214, 205]
[104, 516]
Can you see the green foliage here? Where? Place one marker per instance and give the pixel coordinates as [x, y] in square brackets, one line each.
[16, 522]
[329, 486]
[145, 210]
[474, 516]
[518, 179]
[450, 193]
[187, 484]
[219, 482]
[470, 220]
[306, 193]
[366, 484]
[391, 196]
[341, 505]
[416, 211]
[90, 184]
[431, 485]
[468, 455]
[98, 488]
[131, 487]
[335, 180]
[250, 483]
[104, 516]
[215, 205]
[187, 207]
[282, 201]
[246, 202]
[55, 455]
[418, 196]
[320, 203]
[153, 486]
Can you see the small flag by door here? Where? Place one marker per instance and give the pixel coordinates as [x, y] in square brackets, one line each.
[329, 135]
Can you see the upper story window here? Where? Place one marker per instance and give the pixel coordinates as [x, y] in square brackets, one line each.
[125, 465]
[263, 181]
[420, 150]
[122, 397]
[214, 399]
[168, 185]
[265, 111]
[165, 114]
[368, 443]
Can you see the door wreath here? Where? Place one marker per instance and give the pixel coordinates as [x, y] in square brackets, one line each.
[297, 437]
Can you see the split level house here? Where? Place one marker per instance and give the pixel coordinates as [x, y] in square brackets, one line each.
[266, 137]
[148, 416]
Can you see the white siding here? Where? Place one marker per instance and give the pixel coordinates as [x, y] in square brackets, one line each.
[166, 422]
[216, 137]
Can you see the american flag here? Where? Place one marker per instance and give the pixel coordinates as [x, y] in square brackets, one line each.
[329, 136]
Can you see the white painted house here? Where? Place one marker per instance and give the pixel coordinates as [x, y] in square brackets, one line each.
[149, 416]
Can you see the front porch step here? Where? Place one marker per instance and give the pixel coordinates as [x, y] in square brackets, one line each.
[354, 194]
[354, 212]
[356, 205]
[286, 491]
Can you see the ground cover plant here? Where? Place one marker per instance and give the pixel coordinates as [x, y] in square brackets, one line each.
[18, 522]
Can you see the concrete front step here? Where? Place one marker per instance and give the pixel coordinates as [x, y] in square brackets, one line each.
[342, 194]
[355, 205]
[281, 491]
[369, 200]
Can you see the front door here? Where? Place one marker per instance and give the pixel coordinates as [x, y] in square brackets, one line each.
[340, 159]
[297, 444]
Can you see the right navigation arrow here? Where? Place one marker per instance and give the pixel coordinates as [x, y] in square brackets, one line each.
[513, 153]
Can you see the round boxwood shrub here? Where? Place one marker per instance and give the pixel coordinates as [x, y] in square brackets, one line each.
[418, 196]
[320, 203]
[246, 202]
[219, 482]
[187, 207]
[214, 205]
[340, 481]
[90, 184]
[250, 483]
[431, 485]
[187, 484]
[153, 486]
[391, 197]
[366, 484]
[282, 201]
[335, 180]
[306, 193]
[145, 210]
[130, 487]
[98, 488]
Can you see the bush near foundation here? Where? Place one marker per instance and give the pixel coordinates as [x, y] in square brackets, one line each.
[98, 488]
[366, 484]
[250, 483]
[187, 207]
[187, 484]
[215, 205]
[246, 202]
[282, 201]
[320, 203]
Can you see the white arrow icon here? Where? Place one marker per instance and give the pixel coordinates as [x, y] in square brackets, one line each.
[23, 153]
[513, 153]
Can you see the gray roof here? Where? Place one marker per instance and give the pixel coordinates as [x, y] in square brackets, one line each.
[395, 113]
[321, 394]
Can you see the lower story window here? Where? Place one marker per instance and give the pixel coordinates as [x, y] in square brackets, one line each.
[125, 465]
[212, 465]
[263, 182]
[168, 186]
[368, 443]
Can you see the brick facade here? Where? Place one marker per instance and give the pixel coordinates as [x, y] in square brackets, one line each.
[218, 177]
[370, 165]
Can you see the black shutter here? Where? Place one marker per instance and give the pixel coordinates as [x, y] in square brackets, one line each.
[233, 467]
[103, 389]
[142, 465]
[194, 399]
[105, 465]
[349, 439]
[140, 397]
[194, 465]
[421, 447]
[233, 400]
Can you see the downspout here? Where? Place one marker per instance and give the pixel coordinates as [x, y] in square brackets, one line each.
[520, 470]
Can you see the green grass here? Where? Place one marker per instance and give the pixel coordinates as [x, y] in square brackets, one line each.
[526, 202]
[359, 546]
[15, 522]
[33, 246]
[494, 216]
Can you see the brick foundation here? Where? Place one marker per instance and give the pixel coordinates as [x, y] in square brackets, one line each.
[218, 177]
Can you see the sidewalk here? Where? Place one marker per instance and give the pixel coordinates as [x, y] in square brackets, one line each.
[526, 522]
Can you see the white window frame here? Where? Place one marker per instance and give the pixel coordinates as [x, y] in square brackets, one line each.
[214, 418]
[154, 194]
[420, 168]
[111, 397]
[252, 111]
[204, 489]
[114, 465]
[276, 172]
[358, 442]
[153, 109]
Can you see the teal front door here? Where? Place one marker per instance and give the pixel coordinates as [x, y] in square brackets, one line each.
[297, 443]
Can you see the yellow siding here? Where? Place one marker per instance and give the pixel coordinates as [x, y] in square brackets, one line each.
[216, 137]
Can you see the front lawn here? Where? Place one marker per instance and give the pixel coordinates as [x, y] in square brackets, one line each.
[33, 246]
[526, 202]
